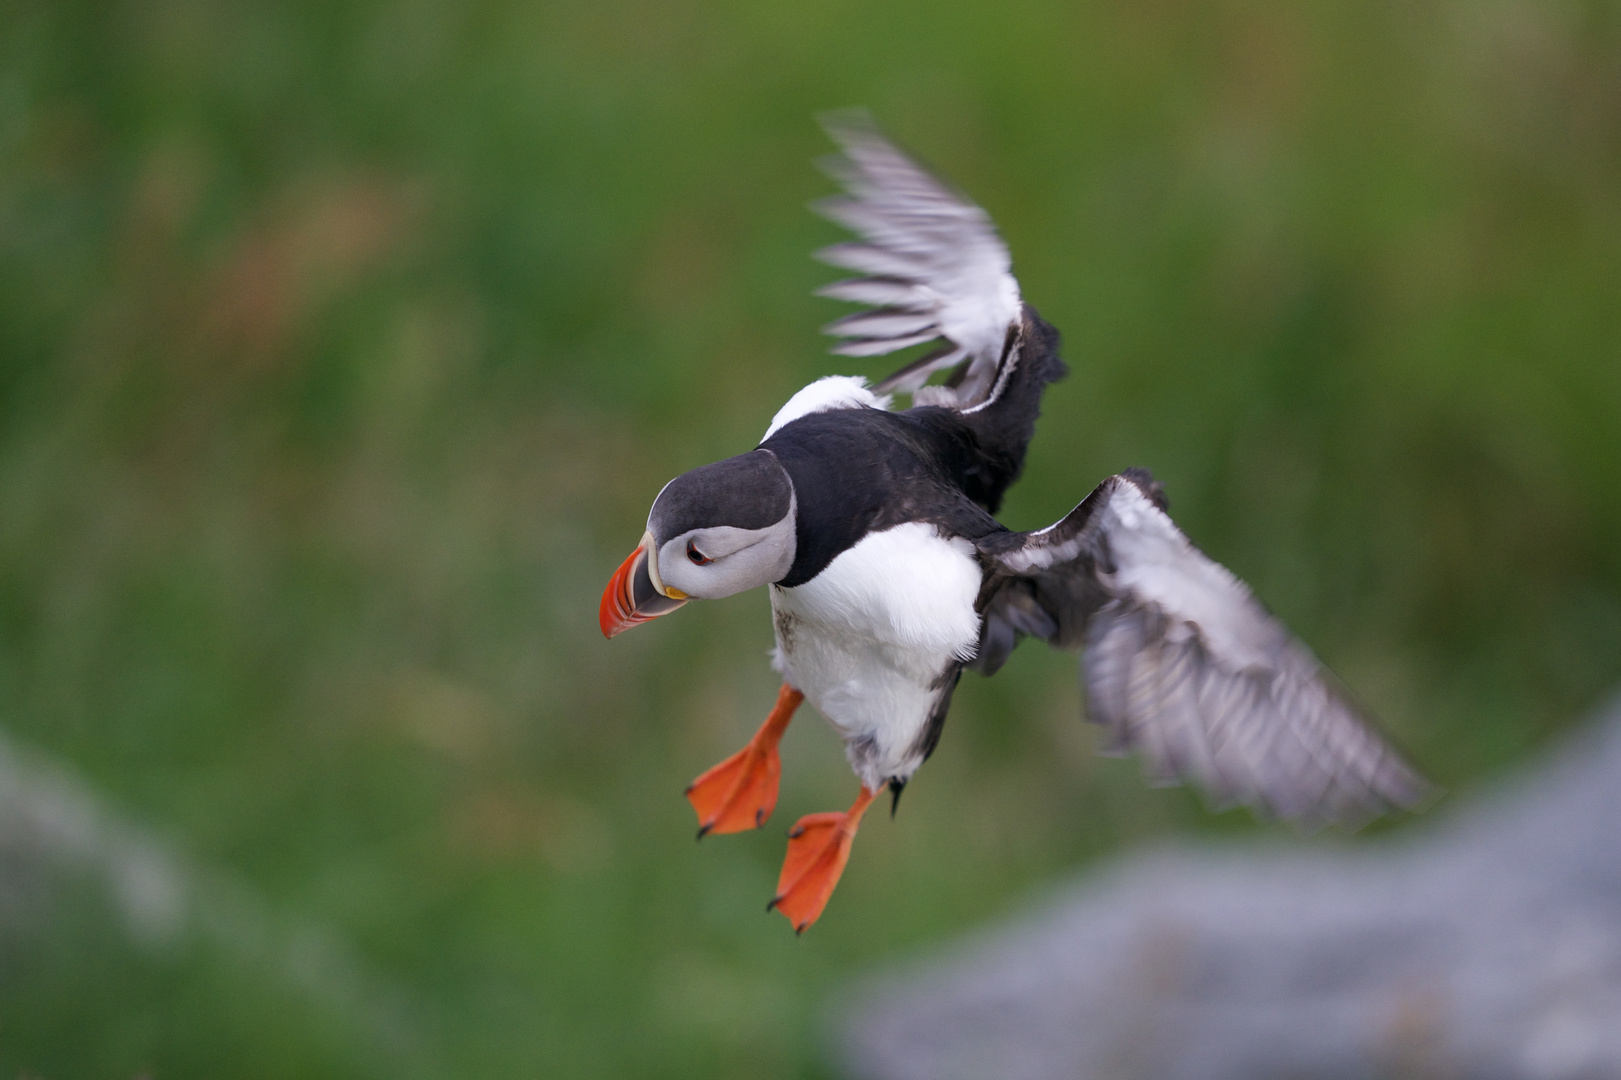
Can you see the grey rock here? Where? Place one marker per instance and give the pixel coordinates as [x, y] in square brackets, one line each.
[1481, 946]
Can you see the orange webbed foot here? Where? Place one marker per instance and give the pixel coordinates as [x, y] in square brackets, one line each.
[818, 848]
[741, 791]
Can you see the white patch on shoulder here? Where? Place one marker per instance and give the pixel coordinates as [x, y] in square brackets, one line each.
[831, 392]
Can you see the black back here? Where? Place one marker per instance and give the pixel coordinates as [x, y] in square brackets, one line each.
[857, 471]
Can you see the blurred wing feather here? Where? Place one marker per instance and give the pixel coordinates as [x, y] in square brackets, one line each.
[935, 268]
[1184, 667]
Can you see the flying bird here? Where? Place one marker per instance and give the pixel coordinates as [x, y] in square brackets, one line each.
[889, 575]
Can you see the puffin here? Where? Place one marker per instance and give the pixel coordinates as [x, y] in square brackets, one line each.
[873, 530]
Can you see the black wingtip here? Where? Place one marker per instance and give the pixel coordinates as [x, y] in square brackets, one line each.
[895, 789]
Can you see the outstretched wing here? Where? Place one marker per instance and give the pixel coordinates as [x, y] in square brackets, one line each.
[1184, 666]
[933, 266]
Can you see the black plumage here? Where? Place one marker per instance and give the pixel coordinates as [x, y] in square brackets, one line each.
[861, 470]
[748, 491]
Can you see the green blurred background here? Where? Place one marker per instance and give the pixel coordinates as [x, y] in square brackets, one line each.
[343, 346]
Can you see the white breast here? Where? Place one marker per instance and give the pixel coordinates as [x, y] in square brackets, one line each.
[868, 639]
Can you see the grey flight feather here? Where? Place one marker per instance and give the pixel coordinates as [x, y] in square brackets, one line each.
[935, 269]
[1184, 666]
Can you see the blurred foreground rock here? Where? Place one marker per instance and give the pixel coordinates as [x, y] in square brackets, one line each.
[1486, 945]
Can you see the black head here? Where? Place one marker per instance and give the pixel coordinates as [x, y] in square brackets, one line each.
[749, 492]
[714, 531]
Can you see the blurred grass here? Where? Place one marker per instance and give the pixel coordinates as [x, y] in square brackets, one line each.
[343, 347]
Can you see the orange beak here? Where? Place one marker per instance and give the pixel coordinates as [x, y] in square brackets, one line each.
[632, 596]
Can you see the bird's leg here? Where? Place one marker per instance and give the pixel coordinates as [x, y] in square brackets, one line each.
[818, 848]
[741, 791]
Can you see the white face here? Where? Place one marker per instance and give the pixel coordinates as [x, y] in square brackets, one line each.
[709, 563]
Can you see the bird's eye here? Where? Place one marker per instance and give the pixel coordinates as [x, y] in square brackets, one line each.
[697, 556]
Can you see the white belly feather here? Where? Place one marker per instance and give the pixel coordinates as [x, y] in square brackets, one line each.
[868, 638]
